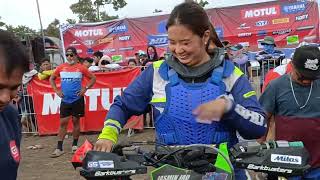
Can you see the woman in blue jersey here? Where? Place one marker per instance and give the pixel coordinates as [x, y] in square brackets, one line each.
[198, 95]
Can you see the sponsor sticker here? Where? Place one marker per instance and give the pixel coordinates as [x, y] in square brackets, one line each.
[262, 33]
[105, 40]
[119, 28]
[260, 12]
[126, 49]
[309, 38]
[158, 40]
[293, 8]
[245, 34]
[75, 43]
[269, 169]
[106, 164]
[116, 58]
[93, 164]
[243, 26]
[305, 28]
[88, 42]
[261, 23]
[124, 38]
[108, 50]
[302, 17]
[281, 32]
[286, 159]
[90, 51]
[293, 39]
[280, 21]
[88, 33]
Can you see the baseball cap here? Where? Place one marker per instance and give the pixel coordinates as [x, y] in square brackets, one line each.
[72, 49]
[236, 47]
[268, 40]
[306, 61]
[142, 53]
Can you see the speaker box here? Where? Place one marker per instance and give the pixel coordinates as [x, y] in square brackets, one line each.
[38, 49]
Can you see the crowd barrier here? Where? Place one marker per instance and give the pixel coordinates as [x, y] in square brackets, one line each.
[39, 105]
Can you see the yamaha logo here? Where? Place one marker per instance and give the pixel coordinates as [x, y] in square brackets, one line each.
[279, 158]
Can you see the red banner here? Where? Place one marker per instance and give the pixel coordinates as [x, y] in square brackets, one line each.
[98, 100]
[288, 21]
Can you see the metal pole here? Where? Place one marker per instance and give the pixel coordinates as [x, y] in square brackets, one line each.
[43, 40]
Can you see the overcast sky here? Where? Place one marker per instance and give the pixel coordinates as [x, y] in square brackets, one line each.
[24, 12]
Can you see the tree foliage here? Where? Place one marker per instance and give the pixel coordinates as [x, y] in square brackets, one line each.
[2, 23]
[71, 21]
[53, 29]
[21, 30]
[202, 3]
[90, 11]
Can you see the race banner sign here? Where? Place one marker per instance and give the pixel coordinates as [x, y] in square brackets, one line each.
[98, 100]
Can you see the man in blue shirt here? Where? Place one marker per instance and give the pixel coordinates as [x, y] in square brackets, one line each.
[14, 62]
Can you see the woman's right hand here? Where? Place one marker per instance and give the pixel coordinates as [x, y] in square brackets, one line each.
[103, 145]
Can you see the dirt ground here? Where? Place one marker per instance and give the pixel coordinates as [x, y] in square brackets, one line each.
[37, 165]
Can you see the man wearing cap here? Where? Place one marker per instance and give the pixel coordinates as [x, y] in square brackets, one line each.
[72, 96]
[293, 101]
[143, 59]
[239, 57]
[270, 54]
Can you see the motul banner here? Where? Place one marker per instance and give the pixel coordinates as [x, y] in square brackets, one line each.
[288, 21]
[98, 100]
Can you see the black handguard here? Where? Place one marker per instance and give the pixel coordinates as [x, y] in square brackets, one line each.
[279, 158]
[198, 161]
[102, 165]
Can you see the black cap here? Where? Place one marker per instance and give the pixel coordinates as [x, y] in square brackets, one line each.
[306, 61]
[74, 51]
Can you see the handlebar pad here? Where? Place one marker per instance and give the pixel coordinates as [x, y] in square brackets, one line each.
[109, 165]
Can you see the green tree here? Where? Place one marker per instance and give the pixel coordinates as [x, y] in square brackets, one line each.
[84, 10]
[21, 30]
[203, 3]
[200, 2]
[71, 21]
[88, 11]
[53, 29]
[2, 23]
[105, 17]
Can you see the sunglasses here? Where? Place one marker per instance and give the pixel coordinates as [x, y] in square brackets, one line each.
[71, 55]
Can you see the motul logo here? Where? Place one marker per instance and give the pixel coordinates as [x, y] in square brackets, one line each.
[261, 12]
[89, 32]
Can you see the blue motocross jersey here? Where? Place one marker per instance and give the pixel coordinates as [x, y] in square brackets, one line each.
[10, 138]
[245, 116]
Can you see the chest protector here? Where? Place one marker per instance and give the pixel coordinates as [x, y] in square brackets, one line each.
[174, 122]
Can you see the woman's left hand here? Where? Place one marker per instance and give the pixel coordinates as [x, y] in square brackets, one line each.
[211, 111]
